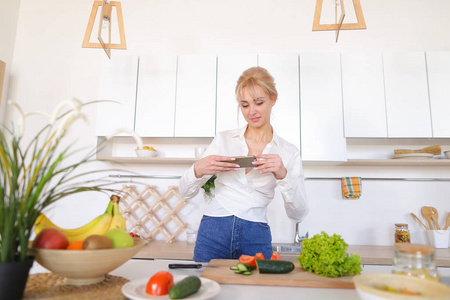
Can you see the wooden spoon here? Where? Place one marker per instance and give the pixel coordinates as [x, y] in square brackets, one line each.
[436, 150]
[447, 222]
[435, 217]
[427, 212]
[417, 218]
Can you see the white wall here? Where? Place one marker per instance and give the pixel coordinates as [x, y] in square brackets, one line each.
[49, 65]
[9, 13]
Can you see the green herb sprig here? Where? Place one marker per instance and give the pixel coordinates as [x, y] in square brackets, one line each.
[209, 185]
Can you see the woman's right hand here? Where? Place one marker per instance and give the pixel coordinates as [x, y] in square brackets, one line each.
[213, 164]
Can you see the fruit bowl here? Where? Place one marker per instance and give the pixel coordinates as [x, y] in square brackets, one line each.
[81, 267]
[369, 286]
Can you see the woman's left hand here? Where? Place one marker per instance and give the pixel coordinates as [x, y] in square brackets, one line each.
[270, 163]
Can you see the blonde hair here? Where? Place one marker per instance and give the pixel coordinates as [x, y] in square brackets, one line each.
[256, 77]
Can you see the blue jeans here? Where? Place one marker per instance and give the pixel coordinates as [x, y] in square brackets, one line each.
[230, 237]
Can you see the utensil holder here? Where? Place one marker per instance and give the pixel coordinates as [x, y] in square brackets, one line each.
[438, 238]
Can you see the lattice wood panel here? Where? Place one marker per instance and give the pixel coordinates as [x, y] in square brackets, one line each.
[149, 213]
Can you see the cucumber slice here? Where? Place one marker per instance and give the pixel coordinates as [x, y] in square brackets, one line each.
[250, 267]
[234, 268]
[242, 267]
[247, 273]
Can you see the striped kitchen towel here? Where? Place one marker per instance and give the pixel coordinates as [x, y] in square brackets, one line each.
[351, 187]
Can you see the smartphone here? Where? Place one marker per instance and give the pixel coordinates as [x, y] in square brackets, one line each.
[244, 161]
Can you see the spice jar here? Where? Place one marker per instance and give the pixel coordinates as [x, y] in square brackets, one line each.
[415, 260]
[402, 233]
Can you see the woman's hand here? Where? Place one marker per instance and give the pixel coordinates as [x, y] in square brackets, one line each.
[213, 164]
[270, 163]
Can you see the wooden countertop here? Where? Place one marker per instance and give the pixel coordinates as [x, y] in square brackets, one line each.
[370, 255]
[163, 250]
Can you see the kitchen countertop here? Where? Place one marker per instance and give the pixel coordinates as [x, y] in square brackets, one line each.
[370, 255]
[136, 269]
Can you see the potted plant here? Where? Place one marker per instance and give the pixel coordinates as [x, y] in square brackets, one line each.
[33, 175]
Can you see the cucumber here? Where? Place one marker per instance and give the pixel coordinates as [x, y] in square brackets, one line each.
[274, 266]
[185, 287]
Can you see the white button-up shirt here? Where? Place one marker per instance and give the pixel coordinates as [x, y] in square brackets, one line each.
[248, 195]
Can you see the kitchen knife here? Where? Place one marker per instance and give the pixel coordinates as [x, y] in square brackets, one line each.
[185, 266]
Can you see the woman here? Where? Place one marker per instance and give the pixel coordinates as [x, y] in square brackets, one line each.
[235, 221]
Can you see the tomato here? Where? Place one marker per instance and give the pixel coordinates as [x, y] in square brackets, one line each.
[248, 260]
[160, 284]
[259, 256]
[276, 256]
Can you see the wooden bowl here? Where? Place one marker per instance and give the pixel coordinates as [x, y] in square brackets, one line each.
[368, 287]
[82, 267]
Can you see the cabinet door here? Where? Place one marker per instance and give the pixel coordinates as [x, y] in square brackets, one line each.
[438, 64]
[117, 82]
[322, 124]
[363, 95]
[407, 103]
[229, 68]
[196, 96]
[285, 117]
[155, 107]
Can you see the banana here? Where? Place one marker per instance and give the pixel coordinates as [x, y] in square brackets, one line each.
[96, 226]
[118, 220]
[100, 228]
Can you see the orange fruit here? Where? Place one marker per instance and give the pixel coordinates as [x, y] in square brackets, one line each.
[75, 245]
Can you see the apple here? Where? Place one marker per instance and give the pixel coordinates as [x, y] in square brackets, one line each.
[51, 238]
[120, 238]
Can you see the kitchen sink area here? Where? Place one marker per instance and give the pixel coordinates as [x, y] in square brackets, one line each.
[287, 248]
[291, 248]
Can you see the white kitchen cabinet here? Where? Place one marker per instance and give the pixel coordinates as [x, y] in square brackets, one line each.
[118, 83]
[438, 65]
[155, 108]
[285, 117]
[195, 112]
[407, 102]
[229, 68]
[363, 95]
[322, 124]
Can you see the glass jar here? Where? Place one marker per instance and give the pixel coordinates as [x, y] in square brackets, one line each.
[415, 260]
[401, 234]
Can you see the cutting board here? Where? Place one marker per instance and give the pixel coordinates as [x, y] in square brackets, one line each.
[219, 271]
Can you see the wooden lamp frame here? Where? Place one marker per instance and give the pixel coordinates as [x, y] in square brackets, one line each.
[105, 13]
[339, 25]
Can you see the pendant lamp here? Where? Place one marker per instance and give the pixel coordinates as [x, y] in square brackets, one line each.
[339, 21]
[104, 28]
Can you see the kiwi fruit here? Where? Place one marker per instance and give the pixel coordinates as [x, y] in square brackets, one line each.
[96, 242]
